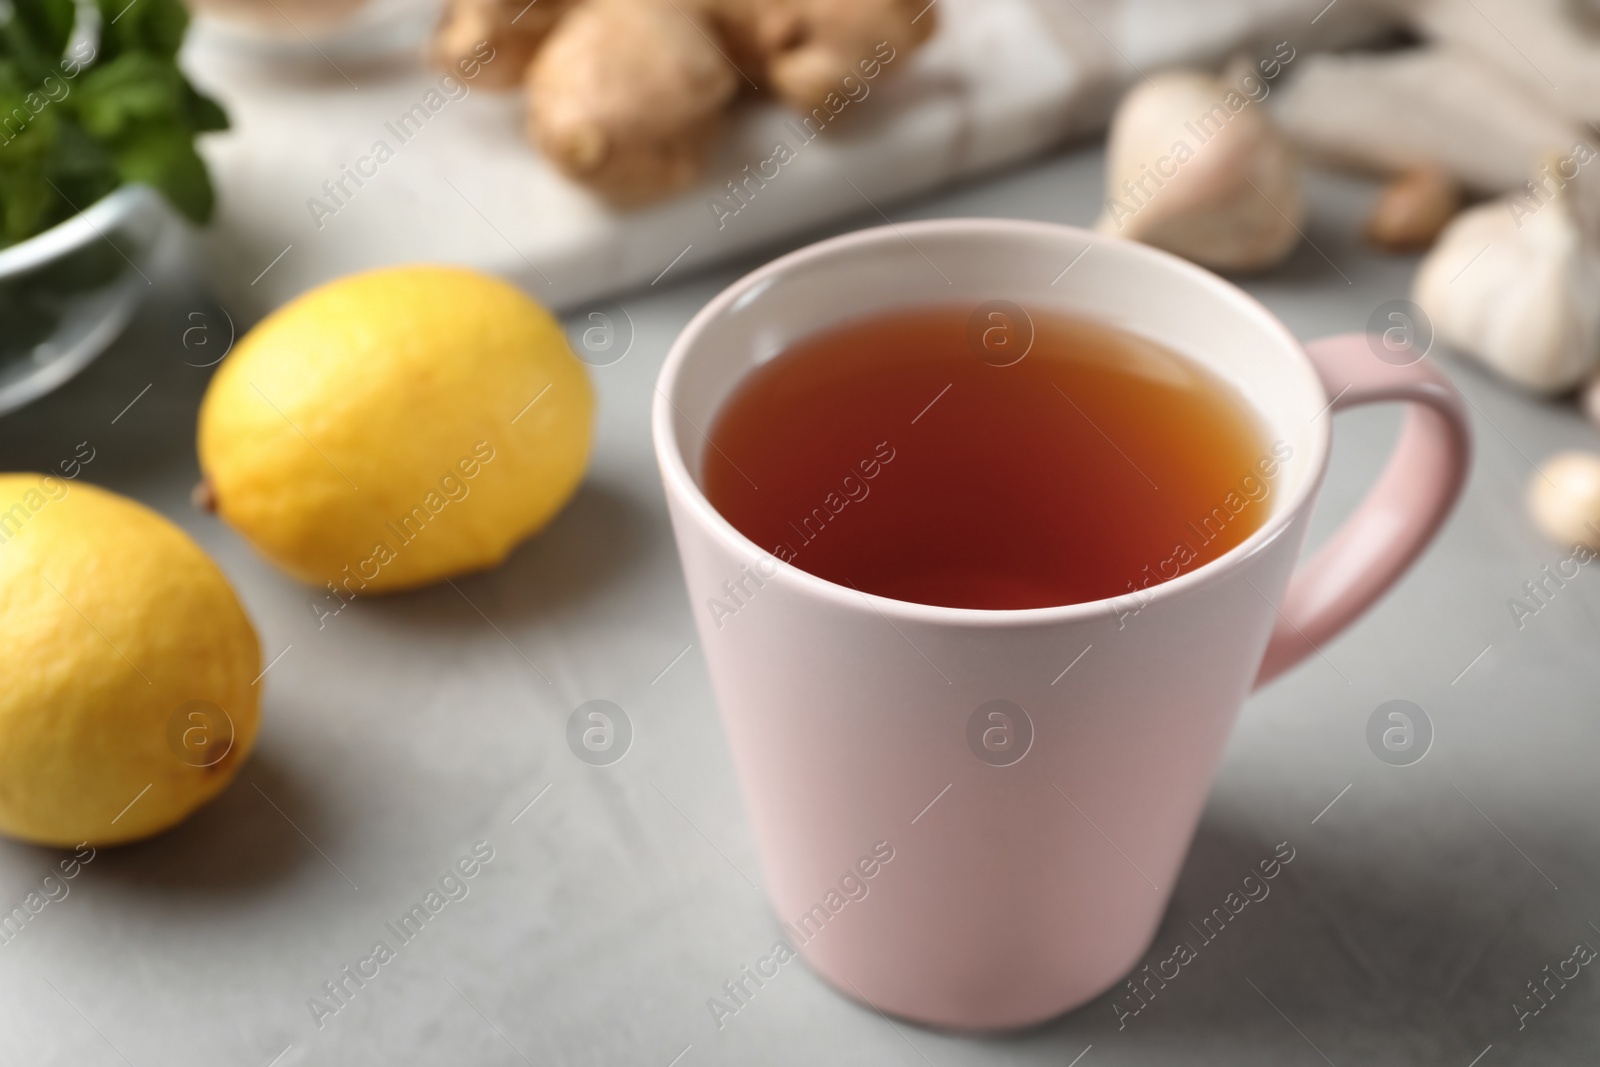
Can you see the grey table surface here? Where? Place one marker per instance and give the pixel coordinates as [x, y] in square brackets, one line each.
[405, 729]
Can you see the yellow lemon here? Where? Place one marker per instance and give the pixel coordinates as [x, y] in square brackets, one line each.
[396, 427]
[127, 663]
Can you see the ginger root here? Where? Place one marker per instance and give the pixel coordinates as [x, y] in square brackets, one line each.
[513, 29]
[626, 96]
[802, 50]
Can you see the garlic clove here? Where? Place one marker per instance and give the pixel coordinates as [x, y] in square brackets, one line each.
[1518, 289]
[1413, 209]
[1195, 166]
[1564, 498]
[1591, 400]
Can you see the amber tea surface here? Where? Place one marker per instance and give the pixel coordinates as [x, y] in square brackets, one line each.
[913, 455]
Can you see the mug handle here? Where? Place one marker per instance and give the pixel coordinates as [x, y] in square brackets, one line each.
[1401, 513]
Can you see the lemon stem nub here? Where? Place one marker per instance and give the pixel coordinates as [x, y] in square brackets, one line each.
[204, 496]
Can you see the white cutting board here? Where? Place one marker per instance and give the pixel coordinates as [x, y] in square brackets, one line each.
[999, 81]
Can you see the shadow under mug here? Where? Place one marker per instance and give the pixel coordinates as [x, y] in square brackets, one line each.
[981, 872]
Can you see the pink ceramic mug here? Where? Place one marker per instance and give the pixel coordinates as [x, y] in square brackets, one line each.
[954, 826]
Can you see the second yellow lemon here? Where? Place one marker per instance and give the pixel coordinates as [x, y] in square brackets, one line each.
[130, 676]
[396, 427]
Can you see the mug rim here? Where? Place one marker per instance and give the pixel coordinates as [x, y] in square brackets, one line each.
[679, 481]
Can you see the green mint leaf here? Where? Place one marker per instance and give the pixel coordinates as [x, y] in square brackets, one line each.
[152, 26]
[73, 128]
[133, 88]
[165, 158]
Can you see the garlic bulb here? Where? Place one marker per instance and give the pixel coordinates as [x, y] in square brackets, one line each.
[1195, 165]
[1515, 284]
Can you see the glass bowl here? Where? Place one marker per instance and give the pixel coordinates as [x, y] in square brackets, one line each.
[66, 294]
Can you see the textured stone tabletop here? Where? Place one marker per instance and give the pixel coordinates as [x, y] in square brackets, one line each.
[411, 737]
